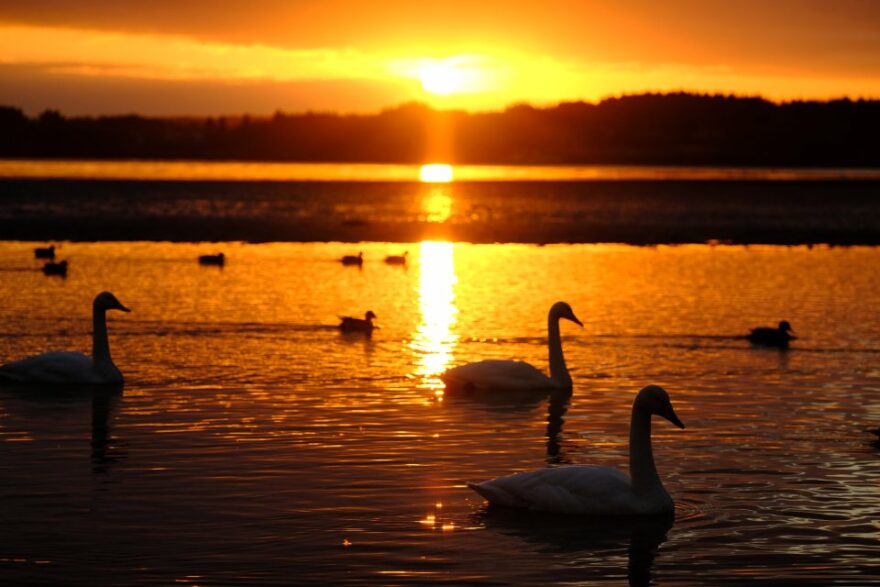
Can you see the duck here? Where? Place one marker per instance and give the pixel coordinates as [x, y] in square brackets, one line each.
[594, 490]
[45, 252]
[397, 259]
[71, 368]
[350, 324]
[219, 259]
[768, 336]
[353, 259]
[508, 375]
[52, 268]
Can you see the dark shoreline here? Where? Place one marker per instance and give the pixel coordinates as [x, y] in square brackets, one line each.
[640, 212]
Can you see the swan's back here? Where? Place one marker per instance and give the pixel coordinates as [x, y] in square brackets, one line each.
[495, 374]
[576, 489]
[53, 367]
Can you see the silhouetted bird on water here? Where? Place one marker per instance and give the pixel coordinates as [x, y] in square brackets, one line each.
[777, 337]
[353, 259]
[45, 252]
[56, 268]
[350, 324]
[219, 259]
[397, 259]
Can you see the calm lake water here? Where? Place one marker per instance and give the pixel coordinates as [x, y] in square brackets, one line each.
[255, 444]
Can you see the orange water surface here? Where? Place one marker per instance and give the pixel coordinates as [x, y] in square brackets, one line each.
[254, 443]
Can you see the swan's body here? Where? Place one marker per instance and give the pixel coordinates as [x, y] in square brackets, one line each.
[65, 368]
[767, 336]
[397, 259]
[350, 324]
[593, 490]
[45, 252]
[503, 375]
[218, 259]
[353, 259]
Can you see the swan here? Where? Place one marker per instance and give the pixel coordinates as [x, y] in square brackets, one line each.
[397, 259]
[69, 367]
[503, 375]
[767, 336]
[353, 259]
[594, 490]
[350, 324]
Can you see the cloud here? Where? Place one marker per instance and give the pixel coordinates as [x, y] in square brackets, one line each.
[40, 87]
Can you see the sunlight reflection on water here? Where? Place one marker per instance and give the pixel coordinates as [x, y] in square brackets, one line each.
[434, 340]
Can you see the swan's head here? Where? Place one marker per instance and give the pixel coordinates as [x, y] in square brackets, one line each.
[563, 310]
[784, 326]
[655, 400]
[107, 301]
[369, 316]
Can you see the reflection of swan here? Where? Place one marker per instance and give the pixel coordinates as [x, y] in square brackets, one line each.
[556, 408]
[517, 375]
[38, 415]
[69, 367]
[640, 535]
[104, 400]
[767, 336]
[350, 324]
[592, 490]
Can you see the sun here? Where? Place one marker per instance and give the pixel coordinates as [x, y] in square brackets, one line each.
[435, 173]
[441, 78]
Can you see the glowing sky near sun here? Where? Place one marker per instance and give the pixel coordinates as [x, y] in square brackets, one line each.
[192, 57]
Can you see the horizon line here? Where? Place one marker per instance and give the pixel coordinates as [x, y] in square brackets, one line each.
[422, 104]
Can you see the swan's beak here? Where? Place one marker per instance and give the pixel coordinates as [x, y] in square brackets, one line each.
[670, 415]
[123, 308]
[576, 321]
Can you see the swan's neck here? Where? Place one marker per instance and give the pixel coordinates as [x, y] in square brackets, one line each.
[100, 344]
[641, 457]
[558, 370]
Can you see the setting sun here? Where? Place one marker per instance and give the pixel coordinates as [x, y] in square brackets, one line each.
[441, 78]
[435, 173]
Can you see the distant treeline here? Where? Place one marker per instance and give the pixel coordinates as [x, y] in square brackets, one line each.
[661, 129]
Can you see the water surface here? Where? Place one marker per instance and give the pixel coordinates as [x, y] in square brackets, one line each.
[255, 444]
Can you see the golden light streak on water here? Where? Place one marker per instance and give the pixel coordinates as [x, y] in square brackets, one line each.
[434, 339]
[437, 205]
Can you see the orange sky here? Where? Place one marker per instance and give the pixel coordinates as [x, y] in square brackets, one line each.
[173, 57]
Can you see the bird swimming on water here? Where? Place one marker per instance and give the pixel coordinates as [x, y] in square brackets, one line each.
[219, 259]
[52, 268]
[517, 376]
[776, 337]
[350, 324]
[353, 259]
[45, 252]
[70, 368]
[397, 259]
[595, 490]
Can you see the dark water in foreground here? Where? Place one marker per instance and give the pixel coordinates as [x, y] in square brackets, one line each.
[254, 444]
